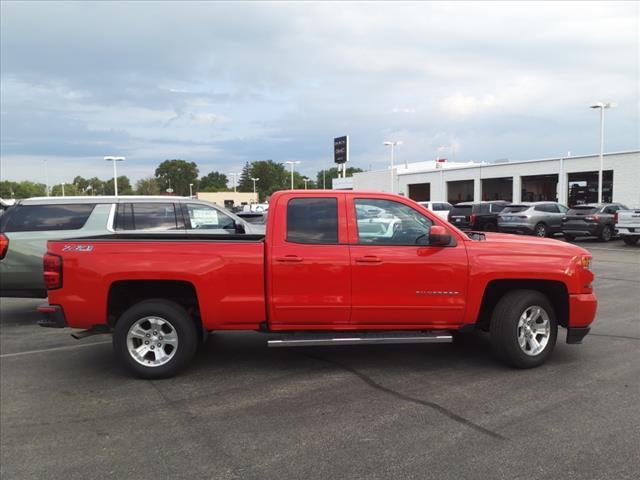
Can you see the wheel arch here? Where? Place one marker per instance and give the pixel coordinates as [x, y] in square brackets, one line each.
[126, 293]
[554, 290]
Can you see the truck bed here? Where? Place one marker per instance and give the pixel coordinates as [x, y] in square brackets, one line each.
[226, 271]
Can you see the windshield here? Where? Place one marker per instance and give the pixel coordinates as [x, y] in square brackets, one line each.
[583, 210]
[515, 208]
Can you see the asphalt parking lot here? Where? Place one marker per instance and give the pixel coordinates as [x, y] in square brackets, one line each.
[69, 410]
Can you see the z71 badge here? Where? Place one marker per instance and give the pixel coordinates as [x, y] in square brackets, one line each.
[77, 248]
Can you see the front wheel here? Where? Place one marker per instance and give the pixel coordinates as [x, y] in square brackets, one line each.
[523, 328]
[606, 233]
[630, 239]
[155, 338]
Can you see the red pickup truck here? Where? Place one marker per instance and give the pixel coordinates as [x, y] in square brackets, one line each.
[333, 268]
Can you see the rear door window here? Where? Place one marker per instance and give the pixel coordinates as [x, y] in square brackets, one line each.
[313, 220]
[149, 216]
[497, 207]
[34, 218]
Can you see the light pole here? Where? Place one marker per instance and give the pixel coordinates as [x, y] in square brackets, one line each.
[63, 189]
[292, 163]
[601, 106]
[191, 190]
[392, 144]
[306, 181]
[46, 178]
[234, 175]
[254, 180]
[115, 172]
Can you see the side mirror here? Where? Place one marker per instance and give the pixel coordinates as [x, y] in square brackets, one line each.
[438, 236]
[240, 228]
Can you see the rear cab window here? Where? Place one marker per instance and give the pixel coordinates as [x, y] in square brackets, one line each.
[33, 218]
[312, 220]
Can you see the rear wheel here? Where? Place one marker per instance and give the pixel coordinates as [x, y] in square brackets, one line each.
[630, 239]
[523, 328]
[155, 338]
[606, 233]
[490, 227]
[540, 230]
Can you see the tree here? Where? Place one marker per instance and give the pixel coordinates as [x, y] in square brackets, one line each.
[213, 182]
[69, 190]
[24, 189]
[124, 186]
[246, 184]
[177, 174]
[273, 176]
[333, 173]
[147, 186]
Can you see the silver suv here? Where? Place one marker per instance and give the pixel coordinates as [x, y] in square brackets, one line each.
[541, 219]
[26, 227]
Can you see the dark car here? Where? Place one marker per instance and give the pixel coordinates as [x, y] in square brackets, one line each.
[255, 218]
[592, 220]
[477, 215]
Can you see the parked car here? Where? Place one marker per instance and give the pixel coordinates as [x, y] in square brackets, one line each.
[439, 208]
[591, 220]
[26, 227]
[319, 278]
[541, 219]
[481, 216]
[628, 225]
[255, 218]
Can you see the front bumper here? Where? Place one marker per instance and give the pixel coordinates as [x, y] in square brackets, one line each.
[515, 228]
[52, 316]
[582, 230]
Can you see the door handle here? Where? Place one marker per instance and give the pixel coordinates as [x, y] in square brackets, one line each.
[368, 259]
[289, 259]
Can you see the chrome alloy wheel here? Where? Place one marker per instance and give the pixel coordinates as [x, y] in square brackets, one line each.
[534, 330]
[152, 341]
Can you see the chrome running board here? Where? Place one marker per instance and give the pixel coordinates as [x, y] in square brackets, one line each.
[359, 338]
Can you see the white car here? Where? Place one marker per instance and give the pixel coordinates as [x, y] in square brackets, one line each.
[439, 208]
[628, 225]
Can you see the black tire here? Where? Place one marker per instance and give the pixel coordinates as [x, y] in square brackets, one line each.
[490, 227]
[630, 239]
[606, 233]
[504, 328]
[177, 317]
[568, 237]
[541, 230]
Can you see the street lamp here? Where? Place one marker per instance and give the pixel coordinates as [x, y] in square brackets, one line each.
[601, 106]
[191, 190]
[306, 181]
[292, 163]
[254, 180]
[392, 144]
[115, 172]
[234, 174]
[46, 177]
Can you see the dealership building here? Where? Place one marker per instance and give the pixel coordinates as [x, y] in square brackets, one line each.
[570, 180]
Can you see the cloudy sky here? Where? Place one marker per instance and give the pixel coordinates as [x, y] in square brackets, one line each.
[225, 83]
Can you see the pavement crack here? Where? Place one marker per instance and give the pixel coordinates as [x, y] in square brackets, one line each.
[624, 337]
[406, 398]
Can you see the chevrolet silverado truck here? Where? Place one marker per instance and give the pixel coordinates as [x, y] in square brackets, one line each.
[334, 268]
[628, 225]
